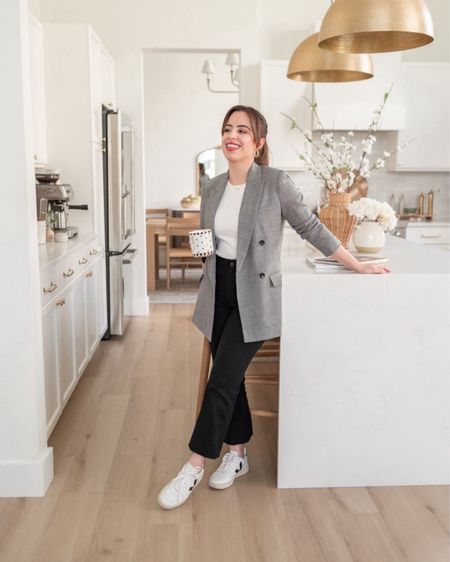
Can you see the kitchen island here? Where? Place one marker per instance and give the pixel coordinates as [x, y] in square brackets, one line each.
[364, 370]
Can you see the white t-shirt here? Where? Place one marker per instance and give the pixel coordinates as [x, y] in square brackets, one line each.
[226, 221]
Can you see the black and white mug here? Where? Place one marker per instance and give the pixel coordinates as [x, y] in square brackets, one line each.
[201, 242]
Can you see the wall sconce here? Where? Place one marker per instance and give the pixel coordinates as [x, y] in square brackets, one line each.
[232, 61]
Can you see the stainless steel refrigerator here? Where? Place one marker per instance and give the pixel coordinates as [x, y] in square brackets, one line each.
[119, 198]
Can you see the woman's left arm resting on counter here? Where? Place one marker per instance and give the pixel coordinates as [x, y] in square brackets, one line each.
[345, 257]
[308, 226]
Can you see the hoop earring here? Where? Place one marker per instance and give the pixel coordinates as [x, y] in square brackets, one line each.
[257, 153]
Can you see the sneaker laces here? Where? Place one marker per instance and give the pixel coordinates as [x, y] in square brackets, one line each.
[181, 477]
[227, 460]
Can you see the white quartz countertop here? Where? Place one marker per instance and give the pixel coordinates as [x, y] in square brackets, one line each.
[54, 251]
[404, 257]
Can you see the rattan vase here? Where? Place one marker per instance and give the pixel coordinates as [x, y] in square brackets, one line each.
[336, 217]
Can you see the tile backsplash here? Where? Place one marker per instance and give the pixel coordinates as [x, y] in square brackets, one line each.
[383, 183]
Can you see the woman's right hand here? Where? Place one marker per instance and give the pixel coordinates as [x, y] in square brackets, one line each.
[373, 268]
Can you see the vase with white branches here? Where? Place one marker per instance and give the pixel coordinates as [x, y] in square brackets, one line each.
[340, 164]
[335, 161]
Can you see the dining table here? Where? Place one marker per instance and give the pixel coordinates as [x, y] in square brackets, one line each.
[156, 226]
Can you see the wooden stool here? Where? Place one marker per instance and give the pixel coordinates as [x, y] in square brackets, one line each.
[269, 351]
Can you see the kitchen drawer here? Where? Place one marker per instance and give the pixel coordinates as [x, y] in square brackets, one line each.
[83, 258]
[95, 248]
[67, 270]
[50, 283]
[428, 234]
[86, 254]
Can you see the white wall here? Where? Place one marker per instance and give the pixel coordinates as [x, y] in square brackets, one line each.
[26, 463]
[182, 118]
[34, 6]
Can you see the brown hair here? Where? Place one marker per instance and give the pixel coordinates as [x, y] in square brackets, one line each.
[259, 129]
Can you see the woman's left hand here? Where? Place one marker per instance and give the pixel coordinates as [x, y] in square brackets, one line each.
[373, 268]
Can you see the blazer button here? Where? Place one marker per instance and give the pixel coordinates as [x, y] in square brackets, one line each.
[261, 242]
[262, 275]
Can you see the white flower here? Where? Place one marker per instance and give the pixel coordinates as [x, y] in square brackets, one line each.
[370, 209]
[340, 153]
[327, 139]
[367, 146]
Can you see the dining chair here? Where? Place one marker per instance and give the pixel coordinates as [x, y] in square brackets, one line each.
[193, 216]
[180, 256]
[269, 351]
[158, 213]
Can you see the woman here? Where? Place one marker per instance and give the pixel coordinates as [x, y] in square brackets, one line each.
[239, 301]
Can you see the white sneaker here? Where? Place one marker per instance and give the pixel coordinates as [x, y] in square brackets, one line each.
[231, 467]
[180, 488]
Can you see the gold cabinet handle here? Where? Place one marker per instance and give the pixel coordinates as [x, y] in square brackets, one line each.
[430, 235]
[51, 288]
[93, 252]
[69, 272]
[88, 274]
[61, 302]
[82, 261]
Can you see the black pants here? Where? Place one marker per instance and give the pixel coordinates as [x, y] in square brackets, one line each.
[225, 415]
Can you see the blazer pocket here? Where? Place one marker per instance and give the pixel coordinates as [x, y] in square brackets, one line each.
[275, 278]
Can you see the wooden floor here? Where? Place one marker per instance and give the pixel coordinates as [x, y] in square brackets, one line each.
[124, 434]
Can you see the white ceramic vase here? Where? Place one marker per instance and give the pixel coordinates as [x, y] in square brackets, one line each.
[369, 237]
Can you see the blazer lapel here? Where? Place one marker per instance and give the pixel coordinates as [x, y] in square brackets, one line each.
[247, 213]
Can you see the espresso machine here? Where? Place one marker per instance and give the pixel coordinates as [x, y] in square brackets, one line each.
[52, 199]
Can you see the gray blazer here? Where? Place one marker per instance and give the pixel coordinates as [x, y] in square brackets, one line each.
[270, 197]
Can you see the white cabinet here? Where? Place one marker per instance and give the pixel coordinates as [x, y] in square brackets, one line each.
[108, 73]
[427, 95]
[91, 307]
[100, 291]
[80, 324]
[345, 106]
[80, 78]
[67, 371]
[436, 235]
[73, 319]
[279, 94]
[51, 363]
[350, 105]
[36, 62]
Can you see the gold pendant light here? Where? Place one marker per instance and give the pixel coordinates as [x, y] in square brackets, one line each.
[375, 26]
[310, 64]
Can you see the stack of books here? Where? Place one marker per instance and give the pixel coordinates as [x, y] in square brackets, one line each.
[324, 263]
